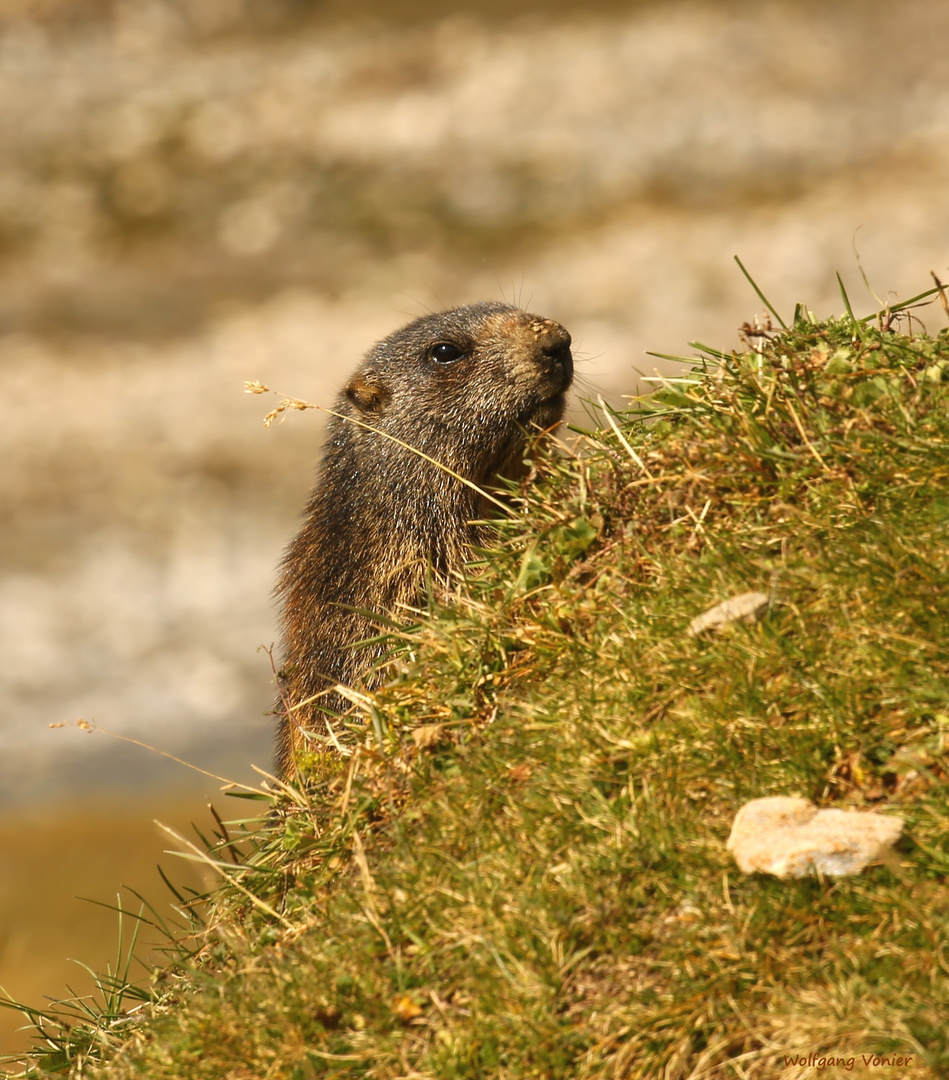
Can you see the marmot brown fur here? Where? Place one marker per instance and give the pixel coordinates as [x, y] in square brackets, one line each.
[464, 387]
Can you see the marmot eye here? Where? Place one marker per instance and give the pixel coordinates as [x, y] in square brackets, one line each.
[445, 352]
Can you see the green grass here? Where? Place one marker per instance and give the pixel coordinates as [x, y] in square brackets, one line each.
[536, 884]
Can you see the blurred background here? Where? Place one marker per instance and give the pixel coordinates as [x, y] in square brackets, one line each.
[194, 193]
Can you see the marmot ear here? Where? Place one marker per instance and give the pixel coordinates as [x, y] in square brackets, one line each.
[367, 392]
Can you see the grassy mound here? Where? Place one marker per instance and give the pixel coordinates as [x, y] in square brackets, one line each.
[518, 868]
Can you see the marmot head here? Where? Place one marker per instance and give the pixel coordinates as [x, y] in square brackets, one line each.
[464, 385]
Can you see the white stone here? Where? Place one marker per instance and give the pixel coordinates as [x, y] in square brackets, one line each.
[745, 608]
[790, 837]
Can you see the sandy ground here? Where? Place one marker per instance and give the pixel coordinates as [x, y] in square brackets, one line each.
[187, 206]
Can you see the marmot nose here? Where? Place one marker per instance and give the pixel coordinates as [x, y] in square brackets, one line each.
[554, 344]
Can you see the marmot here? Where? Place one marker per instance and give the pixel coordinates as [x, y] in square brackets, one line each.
[465, 388]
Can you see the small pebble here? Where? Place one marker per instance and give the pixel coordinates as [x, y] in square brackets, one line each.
[745, 608]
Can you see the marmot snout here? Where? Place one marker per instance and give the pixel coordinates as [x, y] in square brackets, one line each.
[465, 388]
